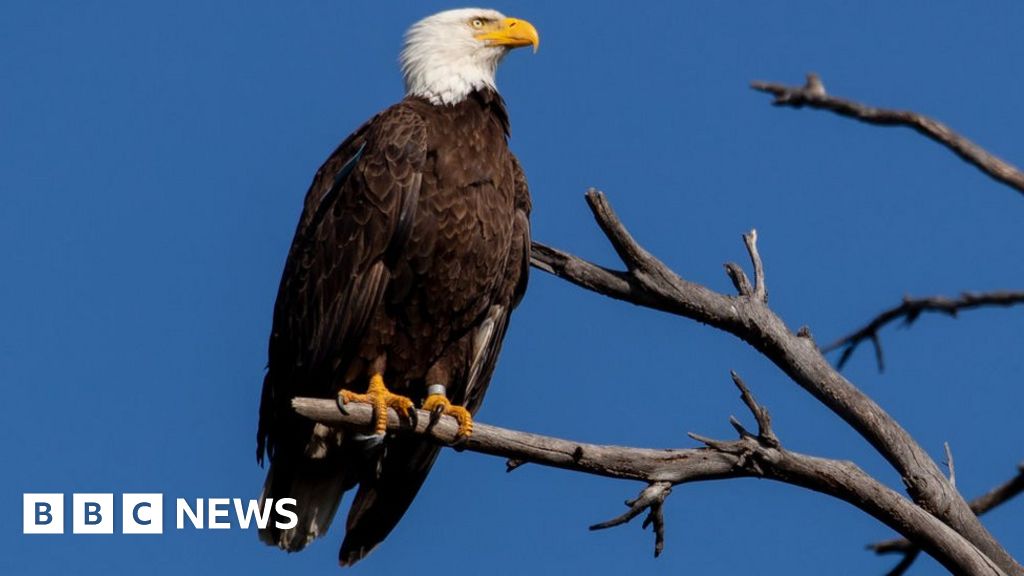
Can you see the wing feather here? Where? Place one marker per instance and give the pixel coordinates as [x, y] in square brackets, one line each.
[357, 212]
[491, 332]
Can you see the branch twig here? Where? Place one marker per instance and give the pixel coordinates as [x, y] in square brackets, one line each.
[950, 464]
[760, 290]
[813, 95]
[910, 309]
[904, 564]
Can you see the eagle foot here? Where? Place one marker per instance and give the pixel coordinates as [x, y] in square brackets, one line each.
[378, 396]
[438, 404]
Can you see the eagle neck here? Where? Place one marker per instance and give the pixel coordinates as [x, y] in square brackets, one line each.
[486, 100]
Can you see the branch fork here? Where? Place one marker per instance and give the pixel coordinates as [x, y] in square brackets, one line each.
[749, 448]
[652, 498]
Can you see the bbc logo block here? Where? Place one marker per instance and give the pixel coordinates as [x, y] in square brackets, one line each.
[92, 513]
[142, 513]
[43, 514]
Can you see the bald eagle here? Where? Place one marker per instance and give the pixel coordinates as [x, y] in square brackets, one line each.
[411, 252]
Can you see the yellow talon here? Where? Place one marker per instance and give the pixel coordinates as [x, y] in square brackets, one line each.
[440, 402]
[378, 396]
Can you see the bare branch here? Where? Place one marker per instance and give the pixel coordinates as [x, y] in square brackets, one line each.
[813, 95]
[665, 468]
[648, 282]
[1000, 494]
[646, 465]
[586, 275]
[910, 309]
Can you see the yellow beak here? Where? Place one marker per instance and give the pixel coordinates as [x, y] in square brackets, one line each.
[511, 32]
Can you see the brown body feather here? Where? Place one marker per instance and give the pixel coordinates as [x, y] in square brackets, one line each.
[411, 252]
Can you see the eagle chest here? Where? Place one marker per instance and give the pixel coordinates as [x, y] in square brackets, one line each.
[464, 218]
[467, 228]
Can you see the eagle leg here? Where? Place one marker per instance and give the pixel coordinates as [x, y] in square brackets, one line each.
[378, 396]
[437, 403]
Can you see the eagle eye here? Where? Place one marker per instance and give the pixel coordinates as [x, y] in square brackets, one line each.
[477, 23]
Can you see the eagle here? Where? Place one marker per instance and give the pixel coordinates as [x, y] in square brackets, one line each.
[410, 254]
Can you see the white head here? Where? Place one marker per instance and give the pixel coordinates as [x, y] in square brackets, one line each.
[450, 54]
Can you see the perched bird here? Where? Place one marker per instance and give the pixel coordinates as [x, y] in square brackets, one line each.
[411, 252]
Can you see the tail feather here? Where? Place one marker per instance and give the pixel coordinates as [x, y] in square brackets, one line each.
[317, 480]
[381, 502]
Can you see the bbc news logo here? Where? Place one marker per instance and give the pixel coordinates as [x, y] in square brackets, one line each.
[144, 513]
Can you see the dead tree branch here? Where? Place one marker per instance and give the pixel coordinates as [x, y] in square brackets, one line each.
[813, 95]
[909, 310]
[982, 504]
[748, 456]
[648, 282]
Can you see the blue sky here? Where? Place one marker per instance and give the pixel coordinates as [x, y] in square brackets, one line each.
[154, 157]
